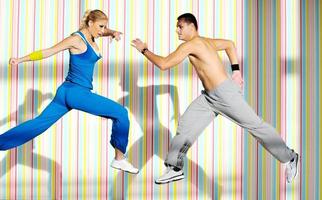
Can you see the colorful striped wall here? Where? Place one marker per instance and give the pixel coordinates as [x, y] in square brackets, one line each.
[279, 46]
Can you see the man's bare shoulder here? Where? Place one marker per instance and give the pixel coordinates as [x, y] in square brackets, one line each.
[200, 40]
[194, 43]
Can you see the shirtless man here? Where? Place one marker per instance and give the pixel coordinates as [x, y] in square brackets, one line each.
[221, 96]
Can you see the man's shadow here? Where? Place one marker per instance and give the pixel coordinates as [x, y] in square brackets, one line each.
[24, 155]
[155, 127]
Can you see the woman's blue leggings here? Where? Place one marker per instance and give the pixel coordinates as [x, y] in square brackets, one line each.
[71, 96]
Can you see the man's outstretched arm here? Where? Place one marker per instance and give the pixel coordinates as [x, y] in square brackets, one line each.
[163, 63]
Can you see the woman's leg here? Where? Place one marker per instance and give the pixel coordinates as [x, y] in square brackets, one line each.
[82, 99]
[32, 128]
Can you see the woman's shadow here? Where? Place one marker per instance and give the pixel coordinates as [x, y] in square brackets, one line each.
[155, 127]
[24, 155]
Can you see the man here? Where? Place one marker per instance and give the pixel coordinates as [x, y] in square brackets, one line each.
[221, 96]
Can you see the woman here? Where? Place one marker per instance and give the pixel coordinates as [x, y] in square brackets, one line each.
[75, 92]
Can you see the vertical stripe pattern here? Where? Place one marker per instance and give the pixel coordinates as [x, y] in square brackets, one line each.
[279, 50]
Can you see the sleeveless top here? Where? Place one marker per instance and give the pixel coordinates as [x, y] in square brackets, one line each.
[81, 66]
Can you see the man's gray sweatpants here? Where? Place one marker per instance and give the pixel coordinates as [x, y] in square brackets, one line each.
[228, 101]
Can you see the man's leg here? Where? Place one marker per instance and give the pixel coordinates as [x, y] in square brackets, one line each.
[191, 124]
[228, 101]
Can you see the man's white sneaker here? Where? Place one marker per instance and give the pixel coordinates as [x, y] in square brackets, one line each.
[169, 176]
[291, 168]
[124, 165]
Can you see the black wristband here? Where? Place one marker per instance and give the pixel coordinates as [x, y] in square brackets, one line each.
[144, 50]
[234, 67]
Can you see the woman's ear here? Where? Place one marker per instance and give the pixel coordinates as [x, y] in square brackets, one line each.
[90, 23]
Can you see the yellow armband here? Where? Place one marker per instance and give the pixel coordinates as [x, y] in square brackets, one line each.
[37, 55]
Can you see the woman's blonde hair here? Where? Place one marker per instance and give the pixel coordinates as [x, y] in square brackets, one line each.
[92, 15]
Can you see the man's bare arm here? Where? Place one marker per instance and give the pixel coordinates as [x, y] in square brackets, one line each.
[164, 62]
[229, 47]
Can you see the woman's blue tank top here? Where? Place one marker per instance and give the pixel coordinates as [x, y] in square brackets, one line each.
[81, 66]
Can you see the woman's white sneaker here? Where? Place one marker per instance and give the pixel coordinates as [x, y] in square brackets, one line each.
[124, 165]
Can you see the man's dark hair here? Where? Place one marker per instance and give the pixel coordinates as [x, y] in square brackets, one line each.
[189, 18]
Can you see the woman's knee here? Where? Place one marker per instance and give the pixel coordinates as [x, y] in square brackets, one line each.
[123, 113]
[123, 116]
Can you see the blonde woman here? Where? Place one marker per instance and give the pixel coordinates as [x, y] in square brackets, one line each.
[75, 92]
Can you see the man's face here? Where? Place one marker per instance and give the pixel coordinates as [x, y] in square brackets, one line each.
[183, 30]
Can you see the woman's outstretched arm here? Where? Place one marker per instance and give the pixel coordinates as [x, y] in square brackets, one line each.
[69, 42]
[112, 33]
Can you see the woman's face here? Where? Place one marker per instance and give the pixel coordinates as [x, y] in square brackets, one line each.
[97, 28]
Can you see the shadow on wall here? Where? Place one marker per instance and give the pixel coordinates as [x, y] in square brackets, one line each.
[18, 114]
[169, 89]
[24, 155]
[154, 128]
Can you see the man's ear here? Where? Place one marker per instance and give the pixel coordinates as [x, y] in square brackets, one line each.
[192, 26]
